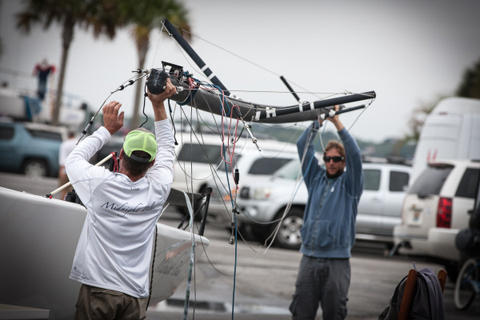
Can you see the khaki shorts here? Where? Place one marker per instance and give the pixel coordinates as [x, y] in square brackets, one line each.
[97, 303]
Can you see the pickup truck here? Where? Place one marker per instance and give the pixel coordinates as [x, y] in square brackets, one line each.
[263, 202]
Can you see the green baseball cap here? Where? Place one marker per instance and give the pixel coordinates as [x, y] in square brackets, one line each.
[140, 140]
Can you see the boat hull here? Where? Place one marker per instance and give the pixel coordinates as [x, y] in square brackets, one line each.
[38, 238]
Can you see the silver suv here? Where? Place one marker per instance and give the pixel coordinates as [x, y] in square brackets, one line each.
[436, 207]
[263, 202]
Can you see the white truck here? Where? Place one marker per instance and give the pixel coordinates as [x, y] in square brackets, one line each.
[451, 131]
[437, 205]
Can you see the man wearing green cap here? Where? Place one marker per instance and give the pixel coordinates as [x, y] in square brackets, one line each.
[114, 251]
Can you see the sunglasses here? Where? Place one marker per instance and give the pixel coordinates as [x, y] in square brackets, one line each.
[335, 159]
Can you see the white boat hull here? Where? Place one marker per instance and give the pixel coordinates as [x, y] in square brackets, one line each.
[38, 238]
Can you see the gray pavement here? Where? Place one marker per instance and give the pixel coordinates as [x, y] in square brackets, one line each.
[264, 283]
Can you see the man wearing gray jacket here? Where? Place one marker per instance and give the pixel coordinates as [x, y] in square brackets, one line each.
[328, 231]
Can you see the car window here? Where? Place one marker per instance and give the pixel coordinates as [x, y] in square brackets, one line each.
[267, 165]
[6, 133]
[468, 185]
[205, 153]
[398, 181]
[431, 180]
[45, 134]
[372, 179]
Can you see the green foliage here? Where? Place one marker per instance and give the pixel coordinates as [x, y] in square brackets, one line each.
[103, 15]
[145, 16]
[68, 12]
[470, 85]
[469, 88]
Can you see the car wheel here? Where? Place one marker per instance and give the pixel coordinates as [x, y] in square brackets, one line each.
[466, 285]
[288, 235]
[35, 168]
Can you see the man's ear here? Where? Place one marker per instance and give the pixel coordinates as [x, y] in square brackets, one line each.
[121, 154]
[152, 163]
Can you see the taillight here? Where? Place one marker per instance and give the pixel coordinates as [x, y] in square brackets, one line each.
[444, 213]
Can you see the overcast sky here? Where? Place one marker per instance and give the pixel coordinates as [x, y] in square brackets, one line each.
[405, 51]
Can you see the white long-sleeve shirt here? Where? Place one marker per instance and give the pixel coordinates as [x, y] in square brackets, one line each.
[115, 247]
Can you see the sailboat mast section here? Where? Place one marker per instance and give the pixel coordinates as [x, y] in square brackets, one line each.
[195, 57]
[308, 111]
[214, 102]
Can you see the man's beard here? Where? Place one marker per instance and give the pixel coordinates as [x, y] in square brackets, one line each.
[335, 175]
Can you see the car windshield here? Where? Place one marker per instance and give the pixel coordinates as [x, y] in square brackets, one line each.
[289, 171]
[268, 166]
[228, 166]
[431, 180]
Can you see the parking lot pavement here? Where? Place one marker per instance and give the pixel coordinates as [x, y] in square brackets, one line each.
[265, 283]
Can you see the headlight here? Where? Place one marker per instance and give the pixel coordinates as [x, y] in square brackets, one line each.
[227, 197]
[262, 193]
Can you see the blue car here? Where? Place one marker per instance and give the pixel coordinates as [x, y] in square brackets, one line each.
[30, 148]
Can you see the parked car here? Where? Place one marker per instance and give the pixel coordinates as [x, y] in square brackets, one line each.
[436, 207]
[30, 148]
[251, 164]
[263, 201]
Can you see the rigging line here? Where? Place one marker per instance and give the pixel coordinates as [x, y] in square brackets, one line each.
[125, 84]
[238, 231]
[191, 162]
[321, 136]
[145, 95]
[201, 142]
[178, 161]
[230, 52]
[158, 44]
[214, 118]
[288, 92]
[358, 117]
[289, 205]
[281, 151]
[234, 271]
[189, 61]
[243, 239]
[244, 59]
[194, 35]
[221, 272]
[298, 181]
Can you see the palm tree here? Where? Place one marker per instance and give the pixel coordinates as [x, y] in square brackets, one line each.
[145, 17]
[101, 14]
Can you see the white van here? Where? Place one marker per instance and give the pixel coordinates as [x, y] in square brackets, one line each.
[451, 131]
[199, 157]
